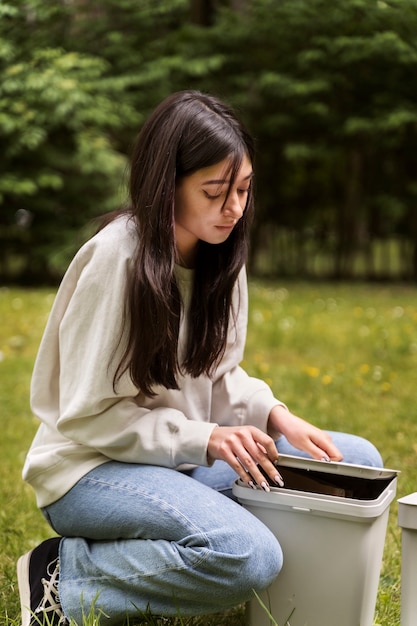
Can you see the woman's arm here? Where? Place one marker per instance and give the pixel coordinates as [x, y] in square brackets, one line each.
[302, 434]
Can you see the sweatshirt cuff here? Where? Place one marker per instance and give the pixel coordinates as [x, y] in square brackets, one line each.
[260, 406]
[193, 440]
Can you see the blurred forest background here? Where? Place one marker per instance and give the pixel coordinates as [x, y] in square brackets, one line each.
[328, 89]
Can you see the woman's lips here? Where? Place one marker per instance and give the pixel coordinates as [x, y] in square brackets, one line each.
[226, 227]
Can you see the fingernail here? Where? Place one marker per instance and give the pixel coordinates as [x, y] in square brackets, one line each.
[325, 458]
[252, 484]
[265, 486]
[279, 480]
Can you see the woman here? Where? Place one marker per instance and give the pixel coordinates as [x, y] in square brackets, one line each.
[146, 416]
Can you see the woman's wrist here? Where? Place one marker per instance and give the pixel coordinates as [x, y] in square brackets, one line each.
[277, 417]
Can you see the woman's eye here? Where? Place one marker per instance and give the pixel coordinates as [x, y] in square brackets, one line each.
[211, 196]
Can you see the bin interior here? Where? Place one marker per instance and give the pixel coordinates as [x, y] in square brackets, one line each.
[343, 485]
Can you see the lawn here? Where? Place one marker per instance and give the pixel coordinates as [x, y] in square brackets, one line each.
[343, 356]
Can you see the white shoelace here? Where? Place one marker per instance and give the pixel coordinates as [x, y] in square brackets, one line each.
[50, 601]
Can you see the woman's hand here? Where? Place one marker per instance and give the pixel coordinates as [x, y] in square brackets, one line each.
[243, 448]
[302, 435]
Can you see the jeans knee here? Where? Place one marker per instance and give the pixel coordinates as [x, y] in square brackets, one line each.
[360, 451]
[371, 455]
[257, 560]
[264, 562]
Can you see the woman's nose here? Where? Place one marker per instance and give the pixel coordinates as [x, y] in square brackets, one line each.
[233, 206]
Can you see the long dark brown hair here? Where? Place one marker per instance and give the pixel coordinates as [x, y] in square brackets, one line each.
[187, 131]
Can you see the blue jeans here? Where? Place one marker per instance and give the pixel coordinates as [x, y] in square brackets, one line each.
[141, 536]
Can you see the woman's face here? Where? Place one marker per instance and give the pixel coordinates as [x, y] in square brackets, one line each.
[201, 209]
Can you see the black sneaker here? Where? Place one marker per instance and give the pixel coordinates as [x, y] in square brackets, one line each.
[37, 575]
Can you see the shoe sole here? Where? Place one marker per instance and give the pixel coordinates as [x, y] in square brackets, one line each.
[24, 587]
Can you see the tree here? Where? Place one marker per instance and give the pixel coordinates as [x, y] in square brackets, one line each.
[58, 112]
[328, 91]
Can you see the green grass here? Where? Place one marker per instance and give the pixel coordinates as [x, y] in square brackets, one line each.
[342, 356]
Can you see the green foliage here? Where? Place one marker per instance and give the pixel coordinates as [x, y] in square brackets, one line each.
[333, 106]
[329, 93]
[58, 116]
[327, 90]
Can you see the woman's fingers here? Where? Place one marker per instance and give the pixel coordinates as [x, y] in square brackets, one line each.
[303, 435]
[320, 446]
[246, 449]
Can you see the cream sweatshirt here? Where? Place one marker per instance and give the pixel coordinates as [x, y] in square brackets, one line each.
[83, 421]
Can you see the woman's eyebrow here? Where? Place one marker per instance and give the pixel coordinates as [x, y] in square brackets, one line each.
[224, 181]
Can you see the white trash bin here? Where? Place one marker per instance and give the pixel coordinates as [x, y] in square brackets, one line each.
[330, 520]
[407, 520]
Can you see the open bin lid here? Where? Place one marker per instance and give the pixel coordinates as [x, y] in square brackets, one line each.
[325, 488]
[343, 480]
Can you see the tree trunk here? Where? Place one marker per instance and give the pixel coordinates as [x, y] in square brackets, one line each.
[202, 12]
[348, 214]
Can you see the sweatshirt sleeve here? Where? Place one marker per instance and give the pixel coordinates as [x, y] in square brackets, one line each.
[237, 397]
[72, 385]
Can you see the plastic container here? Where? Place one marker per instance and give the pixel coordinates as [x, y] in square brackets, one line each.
[331, 520]
[407, 519]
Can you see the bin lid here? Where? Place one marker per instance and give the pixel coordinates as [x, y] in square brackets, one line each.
[407, 511]
[345, 480]
[327, 486]
[336, 467]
